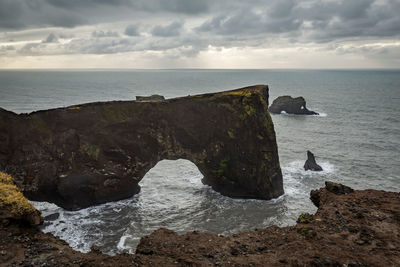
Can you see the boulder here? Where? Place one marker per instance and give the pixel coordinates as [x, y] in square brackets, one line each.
[311, 164]
[290, 105]
[150, 98]
[338, 189]
[94, 153]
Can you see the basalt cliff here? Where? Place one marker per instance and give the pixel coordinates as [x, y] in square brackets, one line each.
[98, 152]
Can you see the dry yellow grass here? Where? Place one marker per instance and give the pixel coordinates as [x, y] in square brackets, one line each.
[12, 199]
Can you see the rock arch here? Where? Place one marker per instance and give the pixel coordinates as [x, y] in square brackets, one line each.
[98, 152]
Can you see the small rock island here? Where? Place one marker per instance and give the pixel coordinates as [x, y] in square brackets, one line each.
[311, 164]
[98, 152]
[290, 105]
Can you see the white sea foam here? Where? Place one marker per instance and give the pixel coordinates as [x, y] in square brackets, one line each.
[121, 243]
[321, 114]
[297, 167]
[295, 177]
[164, 204]
[80, 229]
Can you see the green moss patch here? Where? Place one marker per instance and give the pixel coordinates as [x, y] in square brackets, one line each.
[92, 151]
[231, 134]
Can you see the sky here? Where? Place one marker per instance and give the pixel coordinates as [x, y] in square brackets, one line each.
[223, 34]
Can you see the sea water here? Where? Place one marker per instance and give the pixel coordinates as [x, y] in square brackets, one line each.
[356, 140]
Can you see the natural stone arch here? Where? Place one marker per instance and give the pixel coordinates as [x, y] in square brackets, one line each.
[98, 152]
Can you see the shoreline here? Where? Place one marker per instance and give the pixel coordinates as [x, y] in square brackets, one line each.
[355, 228]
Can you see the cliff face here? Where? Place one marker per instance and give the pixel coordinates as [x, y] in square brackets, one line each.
[98, 152]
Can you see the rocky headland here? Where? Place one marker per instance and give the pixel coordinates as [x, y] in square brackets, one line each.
[98, 152]
[290, 105]
[350, 228]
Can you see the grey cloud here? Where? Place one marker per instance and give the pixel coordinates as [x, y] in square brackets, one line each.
[74, 4]
[235, 23]
[102, 34]
[315, 21]
[247, 22]
[10, 14]
[29, 49]
[7, 48]
[132, 30]
[20, 14]
[185, 6]
[51, 38]
[173, 29]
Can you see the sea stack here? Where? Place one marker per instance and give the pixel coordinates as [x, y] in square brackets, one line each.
[311, 164]
[290, 105]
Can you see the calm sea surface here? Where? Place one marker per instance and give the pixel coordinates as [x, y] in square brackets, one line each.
[356, 139]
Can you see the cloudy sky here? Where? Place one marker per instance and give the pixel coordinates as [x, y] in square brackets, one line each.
[199, 34]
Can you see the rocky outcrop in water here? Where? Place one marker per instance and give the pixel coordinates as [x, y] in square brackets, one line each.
[98, 152]
[290, 105]
[350, 228]
[150, 98]
[311, 164]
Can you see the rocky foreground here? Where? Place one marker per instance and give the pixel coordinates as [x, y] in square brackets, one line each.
[350, 228]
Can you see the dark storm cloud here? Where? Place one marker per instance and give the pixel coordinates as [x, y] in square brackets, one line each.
[316, 20]
[173, 29]
[20, 14]
[192, 26]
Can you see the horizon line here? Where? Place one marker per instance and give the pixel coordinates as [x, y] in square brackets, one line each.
[149, 69]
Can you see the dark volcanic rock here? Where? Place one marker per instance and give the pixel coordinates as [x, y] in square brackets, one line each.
[150, 98]
[52, 217]
[336, 235]
[311, 164]
[338, 189]
[291, 106]
[98, 152]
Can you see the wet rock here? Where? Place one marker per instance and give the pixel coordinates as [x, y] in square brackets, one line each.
[150, 98]
[338, 189]
[52, 217]
[290, 105]
[310, 163]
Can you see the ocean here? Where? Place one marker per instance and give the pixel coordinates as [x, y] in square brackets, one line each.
[356, 140]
